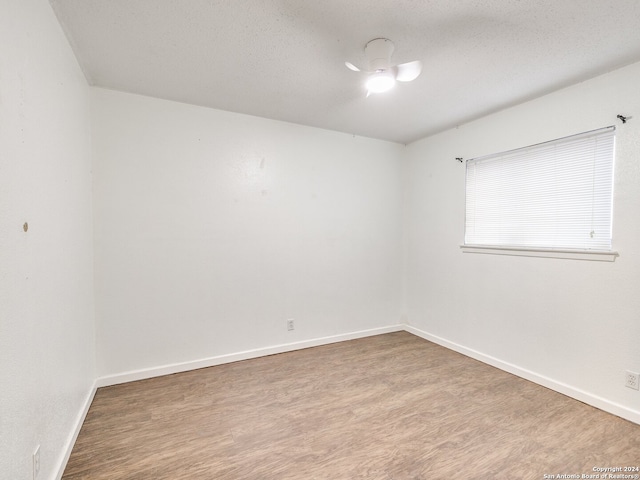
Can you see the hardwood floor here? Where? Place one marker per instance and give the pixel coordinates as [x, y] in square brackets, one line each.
[390, 407]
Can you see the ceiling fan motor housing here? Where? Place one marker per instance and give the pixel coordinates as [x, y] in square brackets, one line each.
[378, 52]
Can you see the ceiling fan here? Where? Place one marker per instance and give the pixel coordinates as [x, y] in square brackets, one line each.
[381, 74]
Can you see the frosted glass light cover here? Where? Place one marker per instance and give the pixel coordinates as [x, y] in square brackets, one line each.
[380, 82]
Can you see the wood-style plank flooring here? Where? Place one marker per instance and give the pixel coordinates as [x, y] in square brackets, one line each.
[389, 407]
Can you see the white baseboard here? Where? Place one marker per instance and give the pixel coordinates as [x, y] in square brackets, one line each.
[73, 436]
[142, 374]
[568, 390]
[586, 397]
[581, 395]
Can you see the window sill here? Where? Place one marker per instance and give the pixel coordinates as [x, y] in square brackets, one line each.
[591, 255]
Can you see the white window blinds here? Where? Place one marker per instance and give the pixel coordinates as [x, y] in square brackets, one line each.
[555, 195]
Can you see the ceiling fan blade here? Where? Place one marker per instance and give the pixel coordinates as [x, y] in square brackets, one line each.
[406, 72]
[351, 66]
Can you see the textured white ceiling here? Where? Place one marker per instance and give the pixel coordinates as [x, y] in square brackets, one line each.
[284, 59]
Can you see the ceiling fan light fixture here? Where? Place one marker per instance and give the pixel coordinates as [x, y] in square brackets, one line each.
[381, 73]
[380, 82]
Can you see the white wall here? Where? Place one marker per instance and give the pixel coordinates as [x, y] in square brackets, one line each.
[571, 323]
[47, 345]
[212, 228]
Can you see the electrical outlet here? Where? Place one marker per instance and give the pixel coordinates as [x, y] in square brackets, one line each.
[36, 462]
[290, 324]
[632, 380]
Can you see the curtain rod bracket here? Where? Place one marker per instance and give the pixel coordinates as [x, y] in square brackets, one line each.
[623, 118]
[459, 159]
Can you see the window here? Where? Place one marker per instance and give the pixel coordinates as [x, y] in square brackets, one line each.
[554, 195]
